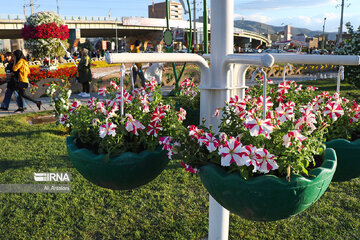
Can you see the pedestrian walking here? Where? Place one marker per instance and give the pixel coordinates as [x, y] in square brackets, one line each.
[85, 73]
[138, 69]
[156, 69]
[11, 87]
[22, 70]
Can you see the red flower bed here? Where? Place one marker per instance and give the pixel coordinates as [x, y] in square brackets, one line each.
[63, 73]
[44, 31]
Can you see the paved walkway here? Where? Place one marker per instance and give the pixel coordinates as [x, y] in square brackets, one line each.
[31, 107]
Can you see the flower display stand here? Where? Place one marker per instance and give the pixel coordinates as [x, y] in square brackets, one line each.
[267, 197]
[348, 159]
[124, 172]
[225, 79]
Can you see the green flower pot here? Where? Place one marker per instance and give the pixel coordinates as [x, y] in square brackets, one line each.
[124, 172]
[267, 197]
[348, 157]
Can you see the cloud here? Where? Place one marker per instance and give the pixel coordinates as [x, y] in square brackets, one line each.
[280, 4]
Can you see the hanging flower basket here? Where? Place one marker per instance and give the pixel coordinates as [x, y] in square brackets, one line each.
[267, 197]
[124, 172]
[348, 159]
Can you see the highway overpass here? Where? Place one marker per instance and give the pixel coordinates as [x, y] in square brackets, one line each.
[131, 27]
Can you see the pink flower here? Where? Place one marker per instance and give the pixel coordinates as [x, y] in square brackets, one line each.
[145, 108]
[132, 125]
[284, 113]
[102, 91]
[74, 106]
[265, 161]
[157, 115]
[114, 85]
[223, 137]
[91, 103]
[154, 128]
[188, 168]
[217, 112]
[165, 108]
[260, 101]
[150, 85]
[311, 88]
[107, 129]
[210, 141]
[63, 118]
[283, 87]
[259, 127]
[233, 152]
[95, 121]
[166, 142]
[333, 110]
[181, 114]
[236, 103]
[195, 132]
[293, 136]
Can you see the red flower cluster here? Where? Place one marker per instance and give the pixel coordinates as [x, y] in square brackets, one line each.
[44, 31]
[36, 74]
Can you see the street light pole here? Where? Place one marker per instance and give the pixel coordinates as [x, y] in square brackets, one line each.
[57, 6]
[341, 23]
[323, 35]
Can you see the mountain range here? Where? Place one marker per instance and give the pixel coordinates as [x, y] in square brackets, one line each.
[270, 29]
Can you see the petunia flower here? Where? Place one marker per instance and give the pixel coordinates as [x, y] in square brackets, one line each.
[74, 106]
[293, 136]
[195, 132]
[107, 129]
[91, 103]
[333, 110]
[265, 161]
[102, 91]
[157, 115]
[154, 128]
[283, 88]
[210, 142]
[259, 127]
[114, 85]
[232, 152]
[284, 113]
[189, 168]
[181, 114]
[63, 118]
[132, 125]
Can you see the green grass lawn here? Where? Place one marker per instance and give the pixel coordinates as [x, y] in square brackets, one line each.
[173, 206]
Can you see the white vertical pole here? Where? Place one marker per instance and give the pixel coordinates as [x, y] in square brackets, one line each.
[222, 33]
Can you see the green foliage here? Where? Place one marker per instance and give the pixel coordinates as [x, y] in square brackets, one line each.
[351, 46]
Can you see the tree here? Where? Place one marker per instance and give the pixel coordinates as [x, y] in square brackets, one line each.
[351, 46]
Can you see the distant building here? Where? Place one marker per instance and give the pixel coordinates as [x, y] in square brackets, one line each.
[300, 37]
[158, 10]
[287, 32]
[313, 42]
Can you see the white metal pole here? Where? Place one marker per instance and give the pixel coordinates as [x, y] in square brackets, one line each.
[222, 33]
[339, 78]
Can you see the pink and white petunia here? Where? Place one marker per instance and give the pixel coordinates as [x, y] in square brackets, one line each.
[292, 137]
[233, 152]
[189, 168]
[166, 142]
[217, 112]
[107, 129]
[74, 106]
[91, 103]
[114, 85]
[157, 115]
[260, 102]
[237, 104]
[311, 89]
[333, 110]
[63, 118]
[265, 161]
[150, 85]
[181, 114]
[284, 113]
[133, 125]
[195, 132]
[154, 128]
[210, 142]
[102, 91]
[283, 87]
[259, 127]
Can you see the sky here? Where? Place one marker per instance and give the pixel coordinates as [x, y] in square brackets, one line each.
[298, 13]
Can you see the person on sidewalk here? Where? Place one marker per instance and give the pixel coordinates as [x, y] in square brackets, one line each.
[85, 73]
[137, 70]
[11, 84]
[22, 70]
[156, 69]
